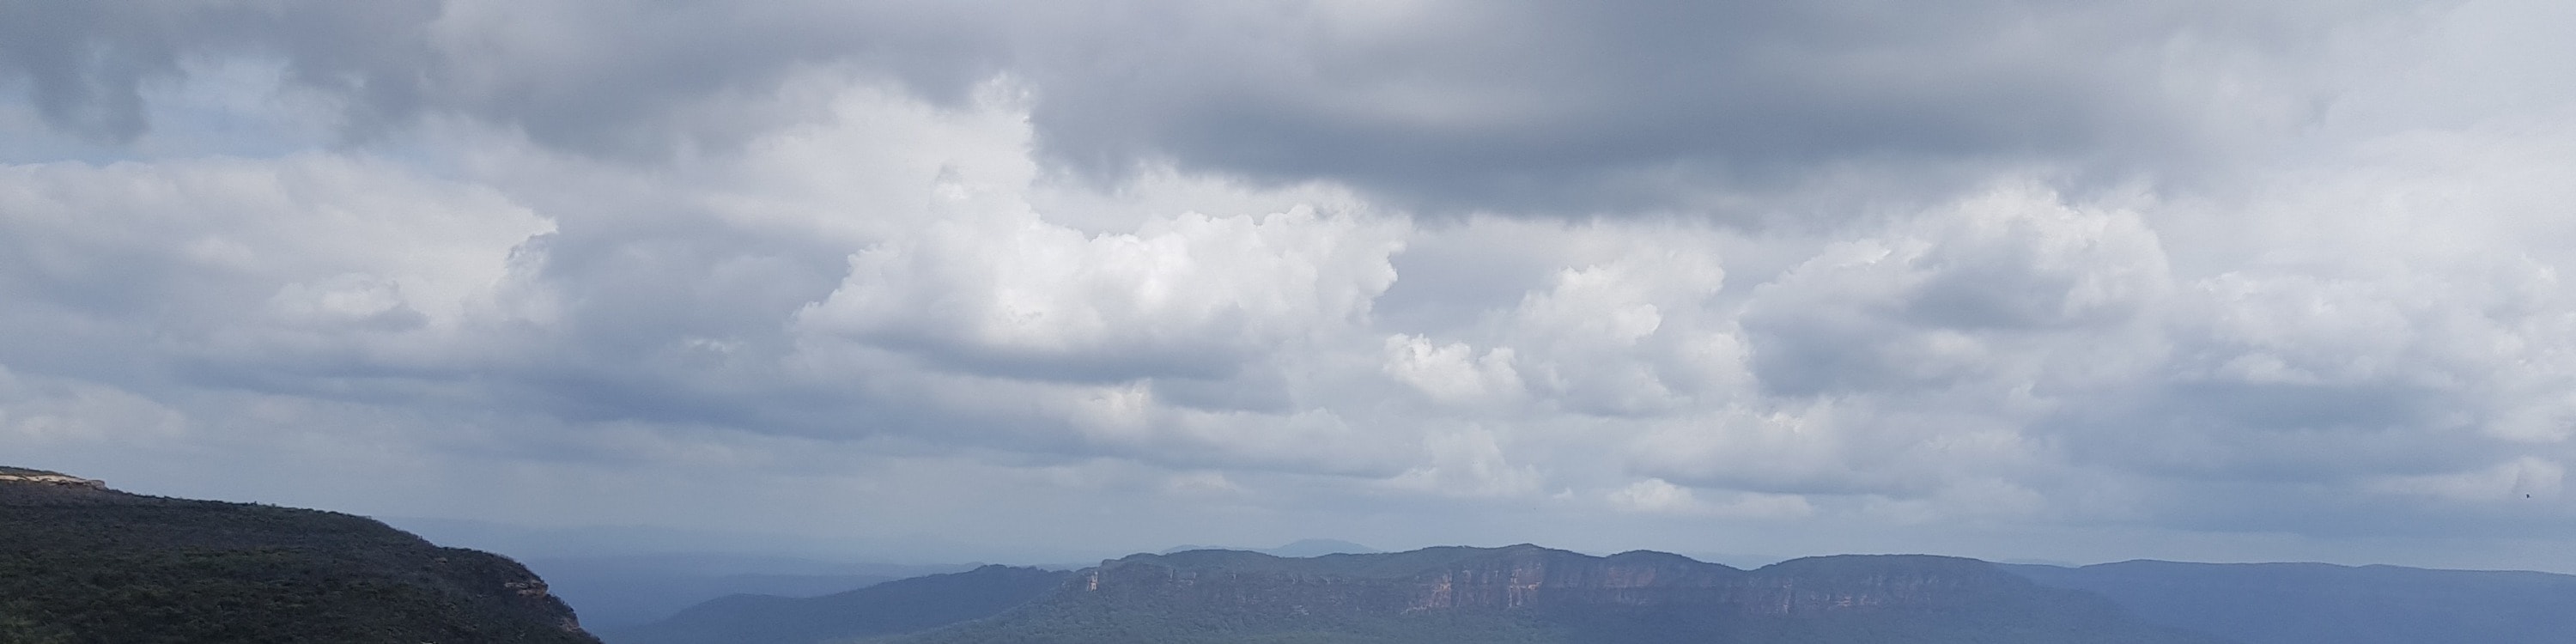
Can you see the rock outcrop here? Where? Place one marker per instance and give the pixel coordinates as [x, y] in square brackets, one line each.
[24, 475]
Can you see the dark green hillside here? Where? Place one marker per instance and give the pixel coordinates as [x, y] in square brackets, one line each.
[902, 606]
[80, 563]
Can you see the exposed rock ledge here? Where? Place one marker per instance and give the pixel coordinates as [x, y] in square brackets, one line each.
[54, 479]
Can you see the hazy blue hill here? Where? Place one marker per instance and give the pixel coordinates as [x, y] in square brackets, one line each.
[613, 592]
[1319, 547]
[1539, 595]
[1298, 548]
[80, 563]
[624, 575]
[2306, 603]
[901, 606]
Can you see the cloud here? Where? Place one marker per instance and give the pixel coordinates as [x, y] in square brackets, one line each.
[1417, 270]
[595, 77]
[1180, 297]
[87, 64]
[2013, 279]
[42, 411]
[1662, 497]
[1509, 107]
[1453, 373]
[1624, 324]
[1527, 107]
[1469, 462]
[313, 262]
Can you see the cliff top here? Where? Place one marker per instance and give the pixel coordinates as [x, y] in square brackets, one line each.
[49, 483]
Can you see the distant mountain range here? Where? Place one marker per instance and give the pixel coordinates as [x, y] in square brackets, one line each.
[895, 607]
[614, 592]
[1295, 549]
[1439, 595]
[80, 562]
[1528, 594]
[2308, 603]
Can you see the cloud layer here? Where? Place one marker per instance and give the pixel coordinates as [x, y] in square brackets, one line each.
[2038, 279]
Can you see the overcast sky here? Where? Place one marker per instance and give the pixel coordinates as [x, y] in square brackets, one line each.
[2065, 280]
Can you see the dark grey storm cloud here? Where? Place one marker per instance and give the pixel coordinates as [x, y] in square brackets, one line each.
[1621, 105]
[1508, 106]
[599, 77]
[87, 63]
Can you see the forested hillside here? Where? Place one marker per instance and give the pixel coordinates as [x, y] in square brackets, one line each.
[81, 564]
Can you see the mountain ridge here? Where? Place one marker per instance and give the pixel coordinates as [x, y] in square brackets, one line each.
[1294, 549]
[1528, 593]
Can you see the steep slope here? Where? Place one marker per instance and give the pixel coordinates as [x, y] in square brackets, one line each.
[900, 606]
[81, 563]
[2307, 603]
[1532, 594]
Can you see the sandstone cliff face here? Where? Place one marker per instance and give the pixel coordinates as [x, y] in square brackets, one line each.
[1528, 576]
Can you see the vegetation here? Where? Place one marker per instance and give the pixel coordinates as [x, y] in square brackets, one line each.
[83, 565]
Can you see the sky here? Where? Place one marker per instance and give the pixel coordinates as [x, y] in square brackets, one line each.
[1037, 281]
